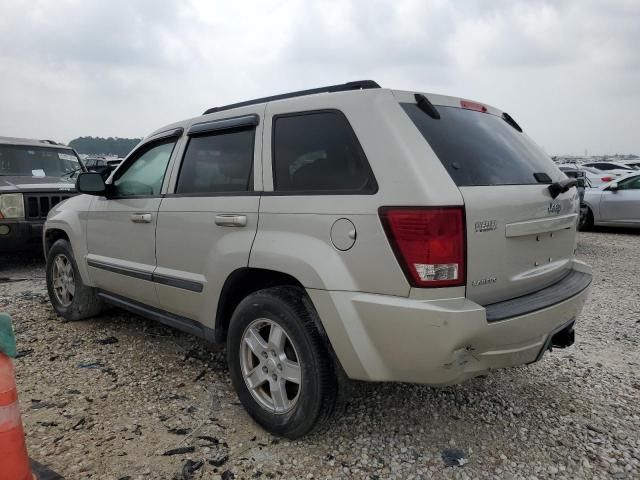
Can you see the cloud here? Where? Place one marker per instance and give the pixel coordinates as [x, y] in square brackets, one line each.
[568, 70]
[95, 34]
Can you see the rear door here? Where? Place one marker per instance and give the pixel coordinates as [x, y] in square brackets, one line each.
[623, 205]
[208, 219]
[519, 238]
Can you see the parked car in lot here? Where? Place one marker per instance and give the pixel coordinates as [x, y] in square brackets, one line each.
[95, 162]
[616, 168]
[635, 164]
[114, 163]
[35, 175]
[615, 203]
[349, 230]
[102, 165]
[582, 183]
[595, 177]
[592, 177]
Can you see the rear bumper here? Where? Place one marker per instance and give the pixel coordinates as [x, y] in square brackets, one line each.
[570, 285]
[384, 338]
[18, 235]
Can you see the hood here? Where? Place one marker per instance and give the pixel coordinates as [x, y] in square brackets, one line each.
[23, 183]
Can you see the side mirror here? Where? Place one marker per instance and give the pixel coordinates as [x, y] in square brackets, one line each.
[91, 183]
[614, 187]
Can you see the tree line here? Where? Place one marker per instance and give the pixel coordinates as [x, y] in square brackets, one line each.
[112, 146]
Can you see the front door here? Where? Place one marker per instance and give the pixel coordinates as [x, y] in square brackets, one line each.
[207, 221]
[121, 228]
[623, 205]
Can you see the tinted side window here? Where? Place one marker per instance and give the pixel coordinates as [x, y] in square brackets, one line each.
[218, 162]
[144, 175]
[319, 152]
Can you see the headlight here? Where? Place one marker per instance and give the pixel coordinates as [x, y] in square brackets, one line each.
[11, 205]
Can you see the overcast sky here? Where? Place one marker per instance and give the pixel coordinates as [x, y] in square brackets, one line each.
[567, 71]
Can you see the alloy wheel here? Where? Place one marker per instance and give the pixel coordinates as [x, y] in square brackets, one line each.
[270, 366]
[64, 286]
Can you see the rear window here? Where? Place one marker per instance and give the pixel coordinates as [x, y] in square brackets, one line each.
[481, 149]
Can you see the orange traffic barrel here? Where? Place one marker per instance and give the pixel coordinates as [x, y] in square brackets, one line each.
[14, 461]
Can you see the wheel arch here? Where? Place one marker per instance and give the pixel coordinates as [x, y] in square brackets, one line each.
[239, 284]
[592, 206]
[54, 231]
[242, 282]
[51, 236]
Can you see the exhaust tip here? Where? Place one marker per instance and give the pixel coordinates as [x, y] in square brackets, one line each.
[564, 338]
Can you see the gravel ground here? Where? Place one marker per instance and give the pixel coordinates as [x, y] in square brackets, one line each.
[106, 398]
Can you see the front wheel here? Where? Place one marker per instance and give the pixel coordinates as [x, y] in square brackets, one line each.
[69, 296]
[278, 362]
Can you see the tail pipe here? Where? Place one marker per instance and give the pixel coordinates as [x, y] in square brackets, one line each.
[564, 338]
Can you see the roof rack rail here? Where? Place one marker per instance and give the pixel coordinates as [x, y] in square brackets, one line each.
[357, 85]
[50, 142]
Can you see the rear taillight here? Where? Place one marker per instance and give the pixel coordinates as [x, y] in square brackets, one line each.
[607, 179]
[429, 243]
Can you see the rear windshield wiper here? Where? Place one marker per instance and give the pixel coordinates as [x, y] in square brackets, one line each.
[509, 119]
[426, 106]
[562, 186]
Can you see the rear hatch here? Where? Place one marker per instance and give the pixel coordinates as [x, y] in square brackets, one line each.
[519, 238]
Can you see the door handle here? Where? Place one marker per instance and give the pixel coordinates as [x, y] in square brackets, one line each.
[141, 217]
[231, 220]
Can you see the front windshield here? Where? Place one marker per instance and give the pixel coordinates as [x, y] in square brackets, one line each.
[23, 160]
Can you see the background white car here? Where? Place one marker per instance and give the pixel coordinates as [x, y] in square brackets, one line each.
[635, 164]
[617, 168]
[614, 204]
[594, 177]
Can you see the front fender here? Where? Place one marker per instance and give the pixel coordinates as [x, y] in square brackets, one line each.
[70, 217]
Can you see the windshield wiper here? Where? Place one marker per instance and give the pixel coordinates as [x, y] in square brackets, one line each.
[71, 172]
[562, 186]
[426, 106]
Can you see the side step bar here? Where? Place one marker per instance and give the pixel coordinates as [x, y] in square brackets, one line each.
[175, 321]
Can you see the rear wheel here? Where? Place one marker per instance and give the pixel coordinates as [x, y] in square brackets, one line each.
[69, 296]
[586, 220]
[278, 362]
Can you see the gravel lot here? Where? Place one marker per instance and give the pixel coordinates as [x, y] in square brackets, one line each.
[105, 398]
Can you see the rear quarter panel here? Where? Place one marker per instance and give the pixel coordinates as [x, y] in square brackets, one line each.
[294, 230]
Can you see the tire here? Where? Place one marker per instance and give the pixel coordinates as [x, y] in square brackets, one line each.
[586, 221]
[83, 302]
[305, 405]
